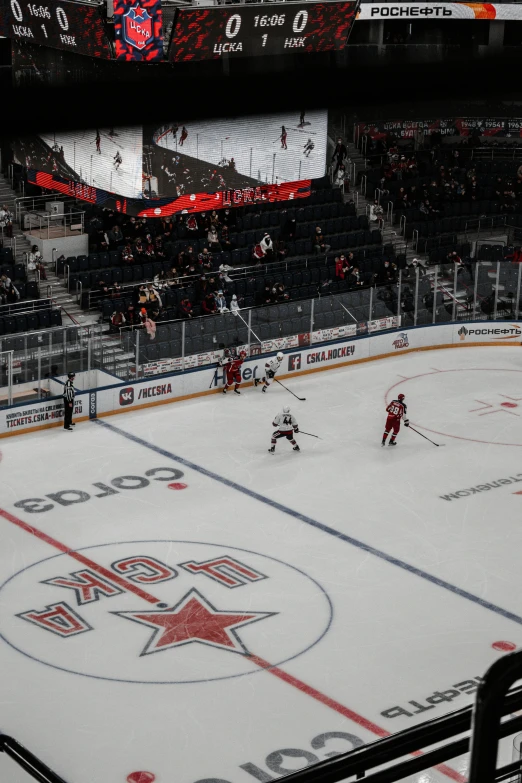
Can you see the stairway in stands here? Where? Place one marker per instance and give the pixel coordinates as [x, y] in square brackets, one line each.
[390, 235]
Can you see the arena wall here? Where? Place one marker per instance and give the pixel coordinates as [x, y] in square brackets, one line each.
[200, 381]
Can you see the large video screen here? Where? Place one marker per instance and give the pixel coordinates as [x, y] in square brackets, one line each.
[109, 159]
[223, 154]
[183, 165]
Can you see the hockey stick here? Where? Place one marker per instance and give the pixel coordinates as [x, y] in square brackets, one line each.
[214, 378]
[301, 399]
[309, 433]
[424, 436]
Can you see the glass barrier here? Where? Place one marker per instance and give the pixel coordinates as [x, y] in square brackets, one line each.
[413, 296]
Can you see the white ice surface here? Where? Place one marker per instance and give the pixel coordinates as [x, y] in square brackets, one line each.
[254, 141]
[395, 636]
[98, 169]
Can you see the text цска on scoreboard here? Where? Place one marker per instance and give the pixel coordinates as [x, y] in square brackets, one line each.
[59, 25]
[247, 30]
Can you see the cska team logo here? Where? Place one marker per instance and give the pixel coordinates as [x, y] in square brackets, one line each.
[137, 27]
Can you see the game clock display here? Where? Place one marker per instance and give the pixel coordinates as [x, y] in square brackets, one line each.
[252, 30]
[59, 25]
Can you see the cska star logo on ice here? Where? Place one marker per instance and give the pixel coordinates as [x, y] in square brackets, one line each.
[137, 27]
[401, 341]
[162, 611]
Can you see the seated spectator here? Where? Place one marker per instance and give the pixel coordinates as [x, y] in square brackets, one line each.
[213, 240]
[389, 272]
[341, 267]
[354, 277]
[280, 250]
[142, 296]
[226, 244]
[229, 218]
[415, 264]
[289, 230]
[160, 279]
[205, 260]
[214, 220]
[139, 251]
[117, 321]
[115, 237]
[377, 214]
[174, 275]
[192, 225]
[278, 292]
[407, 301]
[166, 228]
[185, 308]
[116, 291]
[265, 295]
[34, 259]
[319, 242]
[258, 255]
[208, 305]
[487, 305]
[127, 255]
[132, 316]
[389, 297]
[221, 302]
[267, 246]
[234, 305]
[188, 258]
[214, 285]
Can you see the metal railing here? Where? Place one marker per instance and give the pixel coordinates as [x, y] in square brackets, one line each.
[55, 225]
[24, 204]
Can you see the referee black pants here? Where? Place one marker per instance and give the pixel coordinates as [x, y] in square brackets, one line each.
[68, 414]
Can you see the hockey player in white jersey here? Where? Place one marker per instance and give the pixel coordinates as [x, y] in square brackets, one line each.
[287, 427]
[271, 367]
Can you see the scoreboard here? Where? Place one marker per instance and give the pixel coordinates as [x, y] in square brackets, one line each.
[253, 30]
[137, 31]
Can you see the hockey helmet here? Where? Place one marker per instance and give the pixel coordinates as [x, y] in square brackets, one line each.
[71, 375]
[279, 356]
[400, 396]
[286, 409]
[242, 354]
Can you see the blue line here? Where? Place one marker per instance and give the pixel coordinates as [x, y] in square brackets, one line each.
[318, 525]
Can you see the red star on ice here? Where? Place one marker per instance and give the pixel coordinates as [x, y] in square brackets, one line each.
[194, 619]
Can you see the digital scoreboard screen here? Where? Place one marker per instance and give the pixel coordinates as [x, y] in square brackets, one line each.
[59, 25]
[205, 33]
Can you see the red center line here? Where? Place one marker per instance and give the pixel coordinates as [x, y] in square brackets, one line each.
[115, 578]
[342, 710]
[275, 670]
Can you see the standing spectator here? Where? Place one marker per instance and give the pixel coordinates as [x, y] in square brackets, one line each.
[68, 402]
[339, 155]
[319, 242]
[6, 221]
[117, 321]
[377, 214]
[115, 237]
[267, 246]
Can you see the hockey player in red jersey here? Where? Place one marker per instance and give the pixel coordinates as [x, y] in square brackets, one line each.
[396, 411]
[232, 365]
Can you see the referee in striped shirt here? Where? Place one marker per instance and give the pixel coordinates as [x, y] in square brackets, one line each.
[68, 402]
